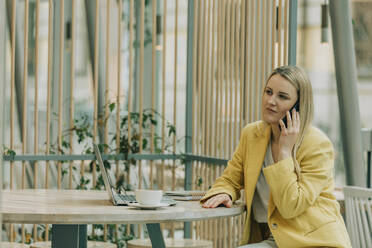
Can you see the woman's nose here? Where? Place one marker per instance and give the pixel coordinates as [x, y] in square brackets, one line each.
[272, 100]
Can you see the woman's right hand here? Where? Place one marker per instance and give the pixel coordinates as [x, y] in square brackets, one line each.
[217, 200]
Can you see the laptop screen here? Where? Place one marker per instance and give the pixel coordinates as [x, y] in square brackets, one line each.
[106, 179]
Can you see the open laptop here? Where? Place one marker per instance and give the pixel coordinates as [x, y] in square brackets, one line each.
[116, 198]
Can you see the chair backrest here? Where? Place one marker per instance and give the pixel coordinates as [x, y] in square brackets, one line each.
[358, 204]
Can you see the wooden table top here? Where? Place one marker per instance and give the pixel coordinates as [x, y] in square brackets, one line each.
[88, 207]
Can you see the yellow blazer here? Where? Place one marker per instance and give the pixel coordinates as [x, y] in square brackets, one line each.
[301, 213]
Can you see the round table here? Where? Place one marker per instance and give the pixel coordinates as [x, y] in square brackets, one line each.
[70, 210]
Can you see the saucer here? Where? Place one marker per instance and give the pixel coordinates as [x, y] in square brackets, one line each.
[141, 206]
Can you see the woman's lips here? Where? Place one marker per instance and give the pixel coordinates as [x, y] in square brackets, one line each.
[270, 110]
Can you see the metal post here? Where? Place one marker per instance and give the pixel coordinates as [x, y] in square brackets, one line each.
[292, 39]
[367, 147]
[2, 86]
[147, 63]
[67, 57]
[369, 155]
[91, 10]
[69, 236]
[189, 91]
[83, 239]
[156, 236]
[346, 77]
[147, 77]
[137, 9]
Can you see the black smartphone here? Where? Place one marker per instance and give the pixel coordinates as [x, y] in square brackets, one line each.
[295, 106]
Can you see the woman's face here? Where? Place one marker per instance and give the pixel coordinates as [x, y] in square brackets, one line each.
[279, 96]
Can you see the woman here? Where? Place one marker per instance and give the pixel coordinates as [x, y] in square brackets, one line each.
[286, 171]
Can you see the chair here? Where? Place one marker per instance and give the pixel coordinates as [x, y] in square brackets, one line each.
[358, 204]
[91, 244]
[171, 243]
[13, 245]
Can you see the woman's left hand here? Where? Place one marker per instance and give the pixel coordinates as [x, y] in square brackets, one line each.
[289, 134]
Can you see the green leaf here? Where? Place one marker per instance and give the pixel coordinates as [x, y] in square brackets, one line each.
[144, 118]
[200, 182]
[64, 172]
[112, 106]
[154, 122]
[65, 144]
[88, 150]
[144, 143]
[10, 152]
[183, 159]
[107, 164]
[172, 130]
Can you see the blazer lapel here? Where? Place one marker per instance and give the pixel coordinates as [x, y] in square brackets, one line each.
[256, 153]
[270, 206]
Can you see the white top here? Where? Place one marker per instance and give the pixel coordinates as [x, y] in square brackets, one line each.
[262, 192]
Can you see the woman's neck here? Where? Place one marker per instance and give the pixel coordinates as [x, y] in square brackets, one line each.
[275, 133]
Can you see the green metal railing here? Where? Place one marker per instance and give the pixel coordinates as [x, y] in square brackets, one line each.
[187, 158]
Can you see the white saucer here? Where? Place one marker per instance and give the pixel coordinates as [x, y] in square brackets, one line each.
[139, 205]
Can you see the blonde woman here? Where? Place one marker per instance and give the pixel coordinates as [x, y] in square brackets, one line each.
[286, 171]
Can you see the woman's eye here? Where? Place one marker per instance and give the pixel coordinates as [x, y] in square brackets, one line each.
[283, 97]
[268, 92]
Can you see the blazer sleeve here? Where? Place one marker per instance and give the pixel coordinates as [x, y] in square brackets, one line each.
[232, 179]
[293, 196]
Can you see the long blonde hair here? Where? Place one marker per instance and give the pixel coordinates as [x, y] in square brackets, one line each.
[298, 78]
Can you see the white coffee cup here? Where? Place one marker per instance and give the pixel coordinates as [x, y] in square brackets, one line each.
[148, 197]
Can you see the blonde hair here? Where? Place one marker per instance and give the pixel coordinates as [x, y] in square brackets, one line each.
[298, 78]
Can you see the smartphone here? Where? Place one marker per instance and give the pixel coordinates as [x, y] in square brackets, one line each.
[296, 106]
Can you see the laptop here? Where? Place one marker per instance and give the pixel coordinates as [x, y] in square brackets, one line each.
[116, 198]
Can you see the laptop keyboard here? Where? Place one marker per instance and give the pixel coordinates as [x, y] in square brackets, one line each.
[127, 198]
[168, 200]
[132, 199]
